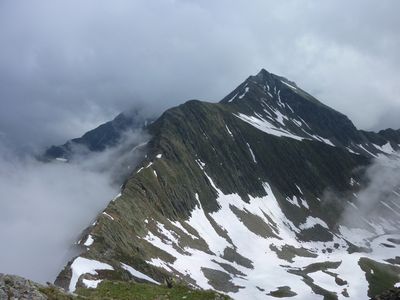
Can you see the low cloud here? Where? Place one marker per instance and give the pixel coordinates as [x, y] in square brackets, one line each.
[377, 204]
[67, 66]
[45, 206]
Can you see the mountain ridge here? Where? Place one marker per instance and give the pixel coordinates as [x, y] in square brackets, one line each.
[259, 159]
[109, 133]
[106, 135]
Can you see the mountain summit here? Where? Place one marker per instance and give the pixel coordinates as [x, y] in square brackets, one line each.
[280, 107]
[246, 197]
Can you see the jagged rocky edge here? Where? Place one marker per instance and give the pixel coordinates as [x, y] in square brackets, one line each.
[271, 114]
[177, 227]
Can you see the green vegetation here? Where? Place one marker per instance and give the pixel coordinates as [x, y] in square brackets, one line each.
[109, 290]
[288, 252]
[55, 293]
[132, 291]
[283, 292]
[381, 277]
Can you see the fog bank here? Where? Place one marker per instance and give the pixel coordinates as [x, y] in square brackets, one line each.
[45, 206]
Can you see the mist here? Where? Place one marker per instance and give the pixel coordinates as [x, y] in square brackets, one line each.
[44, 207]
[68, 66]
[376, 206]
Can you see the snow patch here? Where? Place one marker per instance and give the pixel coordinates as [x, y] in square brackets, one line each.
[246, 90]
[200, 163]
[166, 234]
[233, 98]
[299, 189]
[138, 274]
[289, 85]
[89, 241]
[82, 266]
[227, 129]
[297, 123]
[304, 203]
[119, 195]
[199, 221]
[363, 148]
[252, 153]
[107, 215]
[353, 182]
[387, 148]
[325, 281]
[267, 127]
[179, 225]
[91, 284]
[311, 222]
[293, 201]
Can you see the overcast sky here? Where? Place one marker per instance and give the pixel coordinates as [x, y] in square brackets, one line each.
[66, 66]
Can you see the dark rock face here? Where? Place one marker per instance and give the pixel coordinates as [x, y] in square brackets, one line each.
[269, 94]
[392, 294]
[98, 139]
[15, 287]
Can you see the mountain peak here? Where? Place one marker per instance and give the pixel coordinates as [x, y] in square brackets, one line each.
[265, 85]
[263, 76]
[284, 109]
[263, 72]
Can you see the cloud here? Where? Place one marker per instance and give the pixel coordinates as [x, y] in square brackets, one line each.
[66, 66]
[45, 206]
[376, 205]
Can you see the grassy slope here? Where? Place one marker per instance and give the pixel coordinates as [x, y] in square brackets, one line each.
[383, 277]
[108, 290]
[196, 130]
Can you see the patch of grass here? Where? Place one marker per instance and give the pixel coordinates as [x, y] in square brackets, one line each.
[55, 293]
[383, 277]
[108, 290]
[282, 292]
[288, 252]
[322, 266]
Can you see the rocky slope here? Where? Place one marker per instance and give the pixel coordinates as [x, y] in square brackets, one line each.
[233, 196]
[17, 288]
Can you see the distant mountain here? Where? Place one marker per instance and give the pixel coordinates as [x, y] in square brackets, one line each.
[233, 196]
[98, 139]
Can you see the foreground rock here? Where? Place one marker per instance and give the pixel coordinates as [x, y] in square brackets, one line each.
[15, 287]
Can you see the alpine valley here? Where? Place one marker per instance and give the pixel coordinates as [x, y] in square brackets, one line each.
[266, 194]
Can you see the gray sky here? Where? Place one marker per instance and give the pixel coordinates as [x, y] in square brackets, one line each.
[66, 66]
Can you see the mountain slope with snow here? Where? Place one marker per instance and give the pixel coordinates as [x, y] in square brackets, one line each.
[233, 196]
